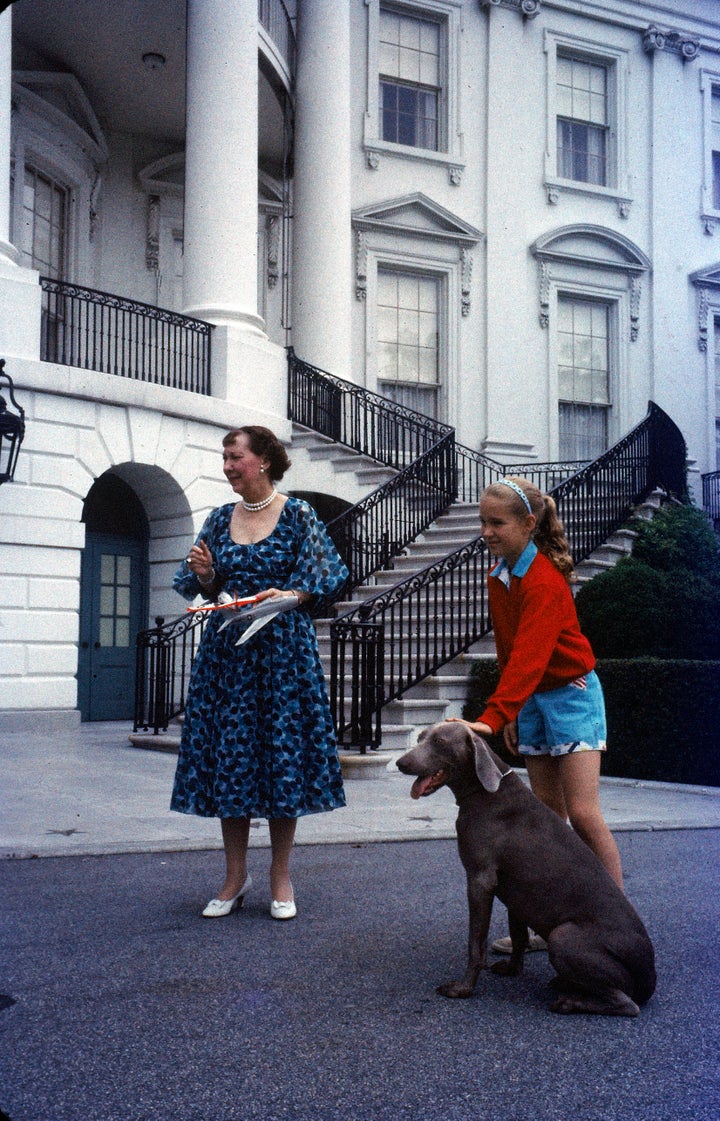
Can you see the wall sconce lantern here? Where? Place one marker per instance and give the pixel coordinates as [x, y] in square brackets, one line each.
[12, 429]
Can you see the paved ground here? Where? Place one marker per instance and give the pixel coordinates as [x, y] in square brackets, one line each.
[91, 792]
[119, 1003]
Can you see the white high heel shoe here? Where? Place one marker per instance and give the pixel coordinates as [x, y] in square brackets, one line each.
[283, 909]
[218, 908]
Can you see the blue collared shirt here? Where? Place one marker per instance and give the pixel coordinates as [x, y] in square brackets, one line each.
[522, 564]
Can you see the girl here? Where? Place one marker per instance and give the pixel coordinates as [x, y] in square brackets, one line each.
[549, 701]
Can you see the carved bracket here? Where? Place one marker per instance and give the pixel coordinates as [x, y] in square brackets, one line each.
[361, 260]
[466, 263]
[152, 238]
[687, 46]
[273, 249]
[702, 299]
[528, 9]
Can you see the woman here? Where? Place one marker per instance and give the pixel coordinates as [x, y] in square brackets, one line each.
[258, 737]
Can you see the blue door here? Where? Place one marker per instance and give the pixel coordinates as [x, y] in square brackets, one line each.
[111, 614]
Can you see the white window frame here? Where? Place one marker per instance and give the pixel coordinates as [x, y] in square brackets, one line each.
[448, 13]
[710, 214]
[615, 61]
[613, 315]
[51, 141]
[707, 287]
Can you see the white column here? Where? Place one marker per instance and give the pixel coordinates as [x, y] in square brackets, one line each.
[221, 163]
[221, 210]
[322, 234]
[7, 251]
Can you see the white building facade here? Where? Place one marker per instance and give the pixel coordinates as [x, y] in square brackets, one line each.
[503, 213]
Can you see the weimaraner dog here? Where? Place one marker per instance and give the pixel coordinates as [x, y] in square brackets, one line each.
[515, 848]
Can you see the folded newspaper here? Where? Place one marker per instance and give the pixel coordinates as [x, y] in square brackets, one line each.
[249, 612]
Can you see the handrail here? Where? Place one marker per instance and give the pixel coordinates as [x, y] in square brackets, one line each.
[111, 334]
[420, 449]
[593, 503]
[711, 496]
[164, 656]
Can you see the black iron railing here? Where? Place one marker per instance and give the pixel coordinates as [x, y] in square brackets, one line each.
[164, 657]
[711, 496]
[113, 335]
[418, 632]
[421, 450]
[476, 471]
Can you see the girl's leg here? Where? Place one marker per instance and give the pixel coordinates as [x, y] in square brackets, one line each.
[544, 774]
[235, 834]
[580, 778]
[282, 837]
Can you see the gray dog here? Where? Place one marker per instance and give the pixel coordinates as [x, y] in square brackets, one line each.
[515, 848]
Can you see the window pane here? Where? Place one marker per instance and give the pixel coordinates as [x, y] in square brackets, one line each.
[106, 633]
[122, 603]
[122, 633]
[583, 377]
[409, 51]
[408, 331]
[123, 570]
[107, 568]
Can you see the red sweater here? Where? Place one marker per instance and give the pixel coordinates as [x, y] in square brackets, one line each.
[539, 642]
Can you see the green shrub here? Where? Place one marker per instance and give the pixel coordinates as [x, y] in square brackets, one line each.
[678, 537]
[663, 718]
[662, 602]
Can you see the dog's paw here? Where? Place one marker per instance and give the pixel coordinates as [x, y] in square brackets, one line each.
[456, 990]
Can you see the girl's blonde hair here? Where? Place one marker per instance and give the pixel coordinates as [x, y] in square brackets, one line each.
[549, 533]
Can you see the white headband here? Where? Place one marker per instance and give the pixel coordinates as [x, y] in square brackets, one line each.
[518, 490]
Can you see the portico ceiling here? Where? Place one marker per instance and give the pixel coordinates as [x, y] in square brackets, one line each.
[102, 42]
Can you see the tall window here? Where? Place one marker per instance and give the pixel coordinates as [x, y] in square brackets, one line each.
[715, 140]
[582, 120]
[44, 224]
[583, 377]
[408, 338]
[410, 80]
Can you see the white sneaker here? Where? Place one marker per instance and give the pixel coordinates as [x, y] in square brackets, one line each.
[504, 945]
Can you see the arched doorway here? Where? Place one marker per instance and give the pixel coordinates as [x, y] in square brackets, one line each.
[113, 598]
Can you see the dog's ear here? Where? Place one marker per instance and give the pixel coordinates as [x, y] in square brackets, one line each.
[486, 768]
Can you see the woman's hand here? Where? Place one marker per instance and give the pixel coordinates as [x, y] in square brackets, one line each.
[510, 735]
[278, 593]
[200, 561]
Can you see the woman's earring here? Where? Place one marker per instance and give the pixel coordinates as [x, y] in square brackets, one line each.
[262, 470]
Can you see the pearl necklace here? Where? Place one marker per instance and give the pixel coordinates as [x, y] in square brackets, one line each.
[252, 506]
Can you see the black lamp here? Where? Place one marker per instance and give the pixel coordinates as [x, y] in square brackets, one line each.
[12, 429]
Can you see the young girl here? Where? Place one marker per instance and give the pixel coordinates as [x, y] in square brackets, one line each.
[549, 701]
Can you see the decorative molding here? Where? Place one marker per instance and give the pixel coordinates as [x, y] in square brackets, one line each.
[466, 265]
[414, 218]
[544, 294]
[372, 157]
[554, 190]
[152, 235]
[635, 293]
[455, 174]
[655, 39]
[706, 281]
[273, 225]
[711, 222]
[528, 9]
[583, 246]
[361, 260]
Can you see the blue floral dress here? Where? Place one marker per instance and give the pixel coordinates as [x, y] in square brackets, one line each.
[258, 738]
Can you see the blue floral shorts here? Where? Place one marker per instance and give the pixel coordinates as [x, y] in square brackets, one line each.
[564, 720]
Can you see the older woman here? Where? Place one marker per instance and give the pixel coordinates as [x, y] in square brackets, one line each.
[258, 737]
